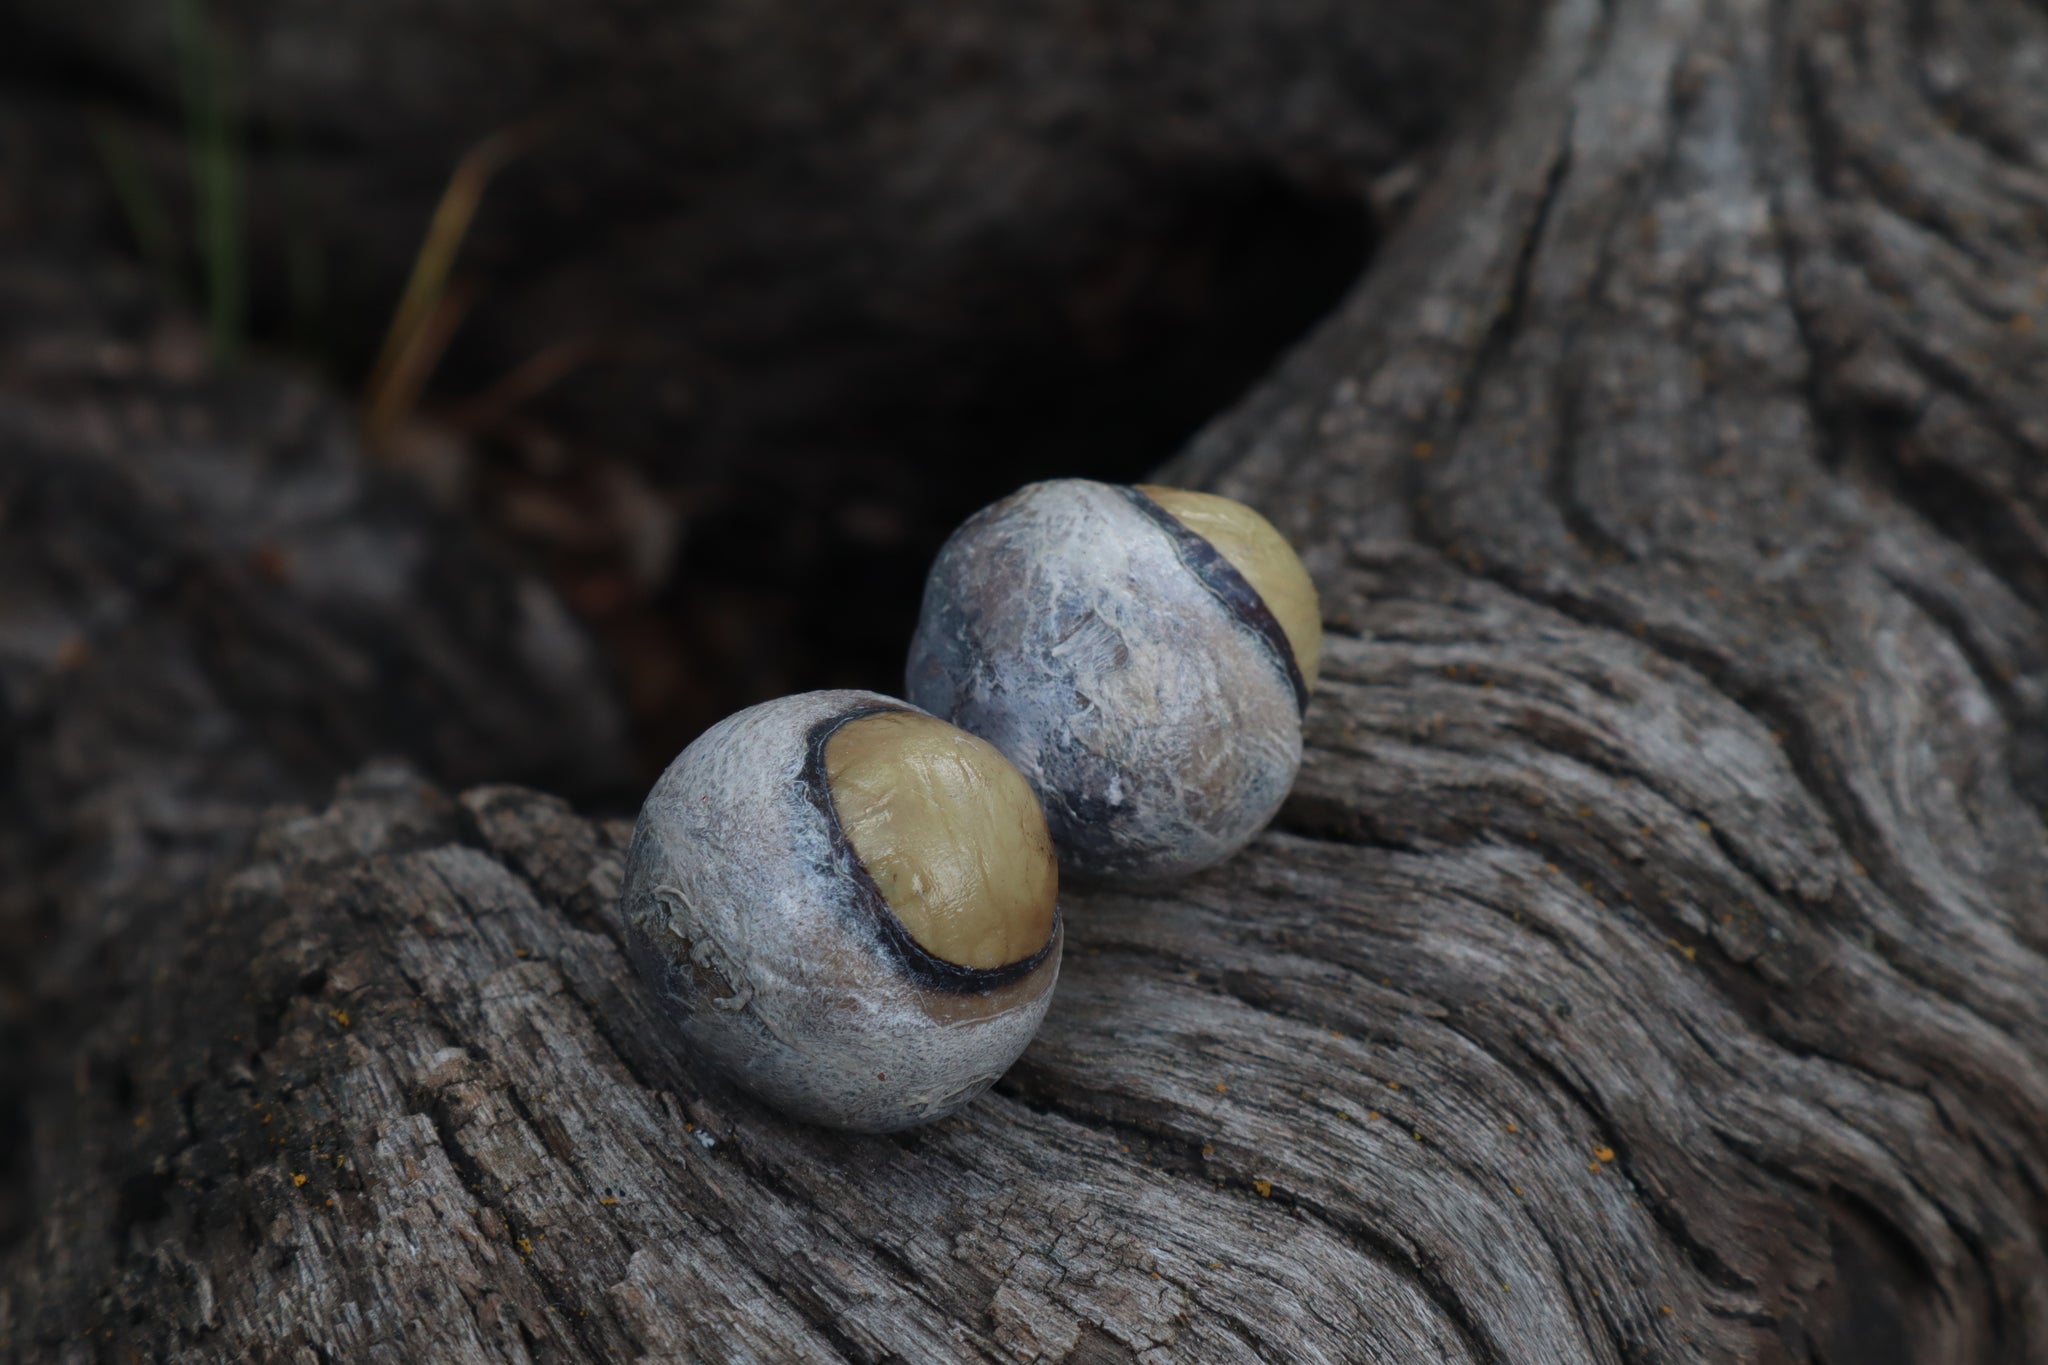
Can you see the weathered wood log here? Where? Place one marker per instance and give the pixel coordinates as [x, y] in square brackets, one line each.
[210, 603]
[1651, 965]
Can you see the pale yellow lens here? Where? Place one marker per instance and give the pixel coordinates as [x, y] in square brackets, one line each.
[1256, 549]
[951, 833]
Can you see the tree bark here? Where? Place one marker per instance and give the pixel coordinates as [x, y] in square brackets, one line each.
[1652, 963]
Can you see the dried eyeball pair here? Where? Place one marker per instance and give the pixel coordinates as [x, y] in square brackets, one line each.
[851, 907]
[1143, 654]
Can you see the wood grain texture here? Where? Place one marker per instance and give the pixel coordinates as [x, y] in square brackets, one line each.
[211, 602]
[1651, 965]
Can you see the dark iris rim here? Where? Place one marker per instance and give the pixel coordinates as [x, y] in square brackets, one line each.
[1228, 587]
[914, 958]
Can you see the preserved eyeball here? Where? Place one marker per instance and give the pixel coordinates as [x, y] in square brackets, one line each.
[1142, 654]
[849, 906]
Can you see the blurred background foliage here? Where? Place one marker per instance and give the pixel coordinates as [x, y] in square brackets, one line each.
[727, 313]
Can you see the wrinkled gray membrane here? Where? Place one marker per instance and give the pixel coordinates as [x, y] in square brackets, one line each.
[768, 963]
[1061, 625]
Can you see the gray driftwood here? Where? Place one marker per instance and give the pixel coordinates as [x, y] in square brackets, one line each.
[210, 603]
[1652, 964]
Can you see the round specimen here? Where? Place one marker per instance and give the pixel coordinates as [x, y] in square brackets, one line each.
[1143, 654]
[1263, 558]
[849, 906]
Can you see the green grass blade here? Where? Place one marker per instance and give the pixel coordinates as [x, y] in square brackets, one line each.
[216, 161]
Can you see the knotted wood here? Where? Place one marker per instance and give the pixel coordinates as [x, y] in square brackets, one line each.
[1652, 963]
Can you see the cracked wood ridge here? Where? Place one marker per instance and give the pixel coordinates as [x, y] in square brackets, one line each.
[1652, 963]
